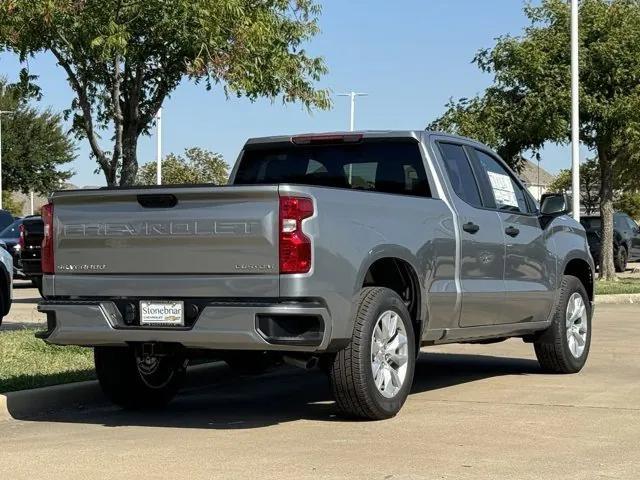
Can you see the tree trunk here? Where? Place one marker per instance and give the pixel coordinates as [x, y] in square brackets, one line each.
[109, 174]
[607, 269]
[129, 155]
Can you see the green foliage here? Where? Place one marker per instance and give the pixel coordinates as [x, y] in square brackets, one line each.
[11, 204]
[529, 102]
[34, 145]
[196, 166]
[562, 182]
[589, 184]
[629, 202]
[622, 286]
[124, 57]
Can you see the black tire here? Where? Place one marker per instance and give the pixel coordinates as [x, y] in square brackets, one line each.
[351, 374]
[552, 346]
[621, 259]
[248, 362]
[125, 385]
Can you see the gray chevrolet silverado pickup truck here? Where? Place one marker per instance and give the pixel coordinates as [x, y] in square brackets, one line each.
[348, 250]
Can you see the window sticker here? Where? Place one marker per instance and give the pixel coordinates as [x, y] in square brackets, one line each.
[503, 189]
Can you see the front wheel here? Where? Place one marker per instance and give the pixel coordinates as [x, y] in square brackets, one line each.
[372, 377]
[564, 346]
[136, 381]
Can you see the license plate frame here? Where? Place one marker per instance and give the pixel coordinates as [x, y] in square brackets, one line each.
[161, 313]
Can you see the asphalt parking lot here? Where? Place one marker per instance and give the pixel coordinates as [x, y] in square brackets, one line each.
[476, 412]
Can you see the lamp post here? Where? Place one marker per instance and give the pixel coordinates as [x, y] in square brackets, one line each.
[2, 112]
[159, 147]
[352, 96]
[575, 111]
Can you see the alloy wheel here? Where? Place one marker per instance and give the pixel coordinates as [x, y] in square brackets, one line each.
[389, 353]
[577, 326]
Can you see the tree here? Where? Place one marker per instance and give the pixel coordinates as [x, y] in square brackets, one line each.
[10, 204]
[501, 119]
[629, 202]
[196, 166]
[589, 184]
[124, 57]
[34, 145]
[532, 79]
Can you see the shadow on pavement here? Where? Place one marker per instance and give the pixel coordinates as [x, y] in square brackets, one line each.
[227, 401]
[32, 300]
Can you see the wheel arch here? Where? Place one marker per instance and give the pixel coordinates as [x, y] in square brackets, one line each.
[398, 273]
[581, 269]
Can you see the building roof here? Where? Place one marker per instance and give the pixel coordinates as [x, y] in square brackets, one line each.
[529, 174]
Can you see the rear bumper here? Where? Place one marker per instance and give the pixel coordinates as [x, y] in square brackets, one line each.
[219, 326]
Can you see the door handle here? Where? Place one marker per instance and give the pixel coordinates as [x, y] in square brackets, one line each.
[471, 227]
[512, 231]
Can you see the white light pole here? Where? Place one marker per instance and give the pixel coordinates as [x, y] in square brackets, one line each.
[352, 96]
[159, 147]
[31, 197]
[2, 112]
[575, 111]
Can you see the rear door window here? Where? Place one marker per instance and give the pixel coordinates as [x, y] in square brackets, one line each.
[507, 193]
[387, 167]
[460, 174]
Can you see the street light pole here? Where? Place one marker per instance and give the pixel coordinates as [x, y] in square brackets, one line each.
[2, 112]
[159, 147]
[352, 116]
[575, 110]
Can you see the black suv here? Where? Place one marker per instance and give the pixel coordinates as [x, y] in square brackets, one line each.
[626, 239]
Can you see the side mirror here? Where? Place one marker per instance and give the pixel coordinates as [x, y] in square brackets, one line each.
[555, 204]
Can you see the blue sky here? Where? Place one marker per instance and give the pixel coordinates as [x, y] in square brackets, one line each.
[409, 56]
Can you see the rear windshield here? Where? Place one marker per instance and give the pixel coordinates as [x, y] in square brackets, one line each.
[593, 223]
[389, 167]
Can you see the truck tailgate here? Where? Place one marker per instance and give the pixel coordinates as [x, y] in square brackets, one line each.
[167, 231]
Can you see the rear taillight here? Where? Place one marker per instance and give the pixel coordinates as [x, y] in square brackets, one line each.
[295, 246]
[47, 241]
[21, 238]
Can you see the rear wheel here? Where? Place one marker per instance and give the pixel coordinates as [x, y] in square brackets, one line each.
[372, 377]
[564, 346]
[136, 381]
[621, 259]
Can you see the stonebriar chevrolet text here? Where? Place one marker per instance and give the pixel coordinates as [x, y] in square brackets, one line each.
[349, 251]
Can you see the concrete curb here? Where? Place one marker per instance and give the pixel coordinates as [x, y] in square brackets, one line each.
[618, 299]
[25, 404]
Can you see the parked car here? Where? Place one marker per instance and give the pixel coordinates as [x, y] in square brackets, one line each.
[626, 239]
[10, 235]
[348, 250]
[30, 242]
[6, 282]
[5, 219]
